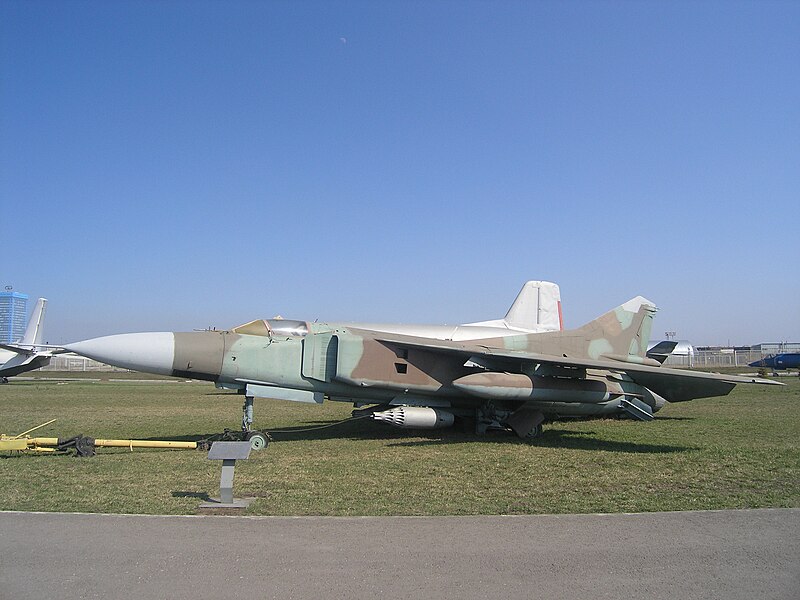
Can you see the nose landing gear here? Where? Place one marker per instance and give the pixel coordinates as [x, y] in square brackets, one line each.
[258, 439]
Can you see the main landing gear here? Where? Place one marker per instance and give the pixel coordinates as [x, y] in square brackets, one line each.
[535, 433]
[525, 422]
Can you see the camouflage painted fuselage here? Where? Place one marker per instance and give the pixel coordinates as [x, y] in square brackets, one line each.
[515, 381]
[363, 367]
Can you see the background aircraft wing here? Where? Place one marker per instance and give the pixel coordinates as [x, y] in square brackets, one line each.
[30, 350]
[27, 351]
[22, 363]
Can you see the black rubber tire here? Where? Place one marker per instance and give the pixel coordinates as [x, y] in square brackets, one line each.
[535, 433]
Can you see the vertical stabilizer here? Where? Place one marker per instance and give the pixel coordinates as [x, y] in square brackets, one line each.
[622, 334]
[537, 306]
[35, 329]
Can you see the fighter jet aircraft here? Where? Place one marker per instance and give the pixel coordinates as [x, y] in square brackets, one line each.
[779, 362]
[28, 353]
[512, 382]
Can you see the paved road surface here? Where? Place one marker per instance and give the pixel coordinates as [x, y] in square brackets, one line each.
[716, 554]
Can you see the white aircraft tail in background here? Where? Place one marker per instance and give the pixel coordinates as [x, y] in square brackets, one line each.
[537, 309]
[27, 354]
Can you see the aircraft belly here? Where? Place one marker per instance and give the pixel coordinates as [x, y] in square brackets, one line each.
[577, 409]
[282, 393]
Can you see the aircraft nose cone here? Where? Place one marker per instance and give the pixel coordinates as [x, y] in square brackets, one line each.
[148, 352]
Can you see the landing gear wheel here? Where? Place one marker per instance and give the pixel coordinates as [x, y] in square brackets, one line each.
[4, 380]
[534, 434]
[257, 439]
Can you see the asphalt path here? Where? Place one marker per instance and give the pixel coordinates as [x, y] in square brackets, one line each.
[709, 554]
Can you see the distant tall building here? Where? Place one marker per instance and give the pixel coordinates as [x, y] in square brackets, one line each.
[13, 315]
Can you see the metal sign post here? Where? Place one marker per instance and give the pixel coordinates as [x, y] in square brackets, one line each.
[228, 453]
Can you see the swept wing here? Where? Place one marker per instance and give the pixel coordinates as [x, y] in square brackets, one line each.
[676, 385]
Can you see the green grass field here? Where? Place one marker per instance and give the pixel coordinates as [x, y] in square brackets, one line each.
[740, 451]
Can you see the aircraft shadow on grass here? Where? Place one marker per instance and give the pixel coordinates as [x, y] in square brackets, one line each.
[365, 430]
[561, 438]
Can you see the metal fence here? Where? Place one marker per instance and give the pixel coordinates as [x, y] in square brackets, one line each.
[727, 357]
[71, 362]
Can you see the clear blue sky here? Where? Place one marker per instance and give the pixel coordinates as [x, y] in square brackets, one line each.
[175, 165]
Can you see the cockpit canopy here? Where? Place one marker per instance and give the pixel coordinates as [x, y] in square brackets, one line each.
[287, 327]
[273, 328]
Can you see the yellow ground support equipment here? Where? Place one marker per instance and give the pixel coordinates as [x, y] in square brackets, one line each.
[83, 445]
